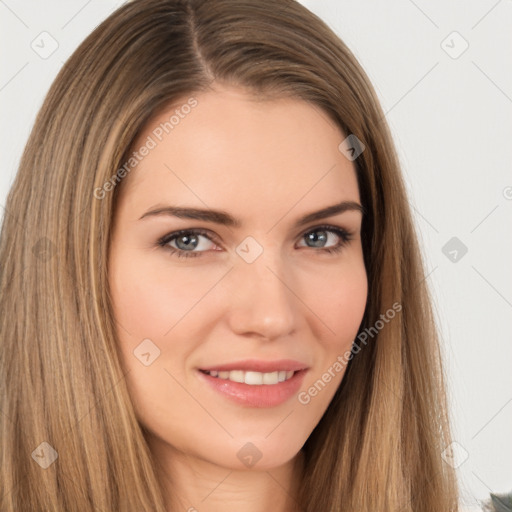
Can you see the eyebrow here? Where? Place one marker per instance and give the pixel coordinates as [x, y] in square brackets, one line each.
[224, 218]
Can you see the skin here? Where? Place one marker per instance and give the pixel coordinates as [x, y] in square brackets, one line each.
[267, 163]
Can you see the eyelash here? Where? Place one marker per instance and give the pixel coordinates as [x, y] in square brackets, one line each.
[344, 235]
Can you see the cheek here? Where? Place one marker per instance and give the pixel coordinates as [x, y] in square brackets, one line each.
[338, 295]
[339, 301]
[151, 298]
[153, 302]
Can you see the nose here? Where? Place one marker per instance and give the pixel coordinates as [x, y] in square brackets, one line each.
[262, 303]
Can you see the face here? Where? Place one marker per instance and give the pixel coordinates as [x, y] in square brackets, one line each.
[262, 294]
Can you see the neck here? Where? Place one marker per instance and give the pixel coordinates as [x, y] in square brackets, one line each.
[194, 484]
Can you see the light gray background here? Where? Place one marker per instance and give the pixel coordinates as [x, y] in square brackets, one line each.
[450, 114]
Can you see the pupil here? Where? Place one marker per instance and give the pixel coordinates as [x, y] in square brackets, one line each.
[190, 241]
[318, 241]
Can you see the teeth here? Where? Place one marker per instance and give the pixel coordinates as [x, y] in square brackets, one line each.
[236, 376]
[253, 378]
[270, 378]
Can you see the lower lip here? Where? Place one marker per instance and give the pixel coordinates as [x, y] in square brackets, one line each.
[265, 395]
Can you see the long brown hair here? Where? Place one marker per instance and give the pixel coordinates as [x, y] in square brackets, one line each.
[377, 448]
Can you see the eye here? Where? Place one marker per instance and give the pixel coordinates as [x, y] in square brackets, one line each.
[189, 243]
[328, 239]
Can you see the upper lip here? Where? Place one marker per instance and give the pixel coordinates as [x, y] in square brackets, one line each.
[256, 365]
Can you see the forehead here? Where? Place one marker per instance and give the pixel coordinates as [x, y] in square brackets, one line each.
[230, 148]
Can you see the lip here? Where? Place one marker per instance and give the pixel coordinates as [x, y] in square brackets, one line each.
[261, 396]
[258, 365]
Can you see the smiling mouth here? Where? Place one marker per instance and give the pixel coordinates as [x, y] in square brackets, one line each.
[252, 378]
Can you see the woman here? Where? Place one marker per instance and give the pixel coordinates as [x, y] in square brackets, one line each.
[212, 287]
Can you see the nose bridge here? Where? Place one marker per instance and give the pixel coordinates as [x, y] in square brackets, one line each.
[262, 303]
